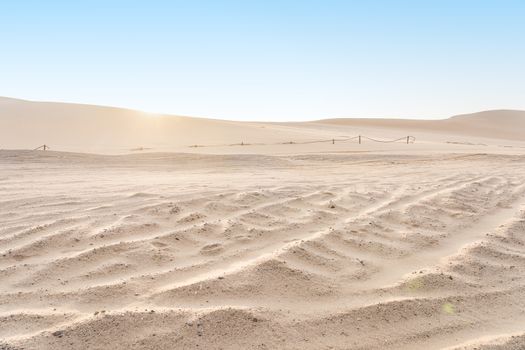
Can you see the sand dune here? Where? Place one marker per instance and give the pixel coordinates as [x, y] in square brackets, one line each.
[497, 124]
[86, 128]
[262, 246]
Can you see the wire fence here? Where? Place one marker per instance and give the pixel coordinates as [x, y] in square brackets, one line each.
[358, 139]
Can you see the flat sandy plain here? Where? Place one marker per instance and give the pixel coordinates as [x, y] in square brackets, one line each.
[262, 246]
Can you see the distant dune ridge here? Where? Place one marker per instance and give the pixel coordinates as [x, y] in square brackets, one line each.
[79, 127]
[500, 124]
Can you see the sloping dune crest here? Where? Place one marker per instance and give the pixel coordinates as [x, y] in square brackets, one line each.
[499, 124]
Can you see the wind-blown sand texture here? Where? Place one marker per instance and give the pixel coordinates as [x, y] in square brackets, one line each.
[416, 246]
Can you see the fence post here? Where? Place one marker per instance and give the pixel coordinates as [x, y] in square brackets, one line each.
[408, 139]
[333, 141]
[359, 139]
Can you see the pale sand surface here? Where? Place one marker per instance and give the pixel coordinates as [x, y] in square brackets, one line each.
[303, 246]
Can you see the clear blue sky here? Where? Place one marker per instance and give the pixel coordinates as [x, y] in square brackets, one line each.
[268, 60]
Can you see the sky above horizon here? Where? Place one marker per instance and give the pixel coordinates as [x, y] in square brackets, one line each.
[268, 60]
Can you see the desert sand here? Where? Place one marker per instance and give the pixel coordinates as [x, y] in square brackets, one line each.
[126, 236]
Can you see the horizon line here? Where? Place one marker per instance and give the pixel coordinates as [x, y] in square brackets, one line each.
[169, 114]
